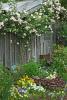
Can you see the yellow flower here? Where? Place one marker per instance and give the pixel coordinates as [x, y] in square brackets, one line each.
[25, 81]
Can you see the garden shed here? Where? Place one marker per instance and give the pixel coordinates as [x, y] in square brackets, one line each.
[11, 49]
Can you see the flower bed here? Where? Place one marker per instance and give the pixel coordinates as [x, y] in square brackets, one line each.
[25, 88]
[39, 89]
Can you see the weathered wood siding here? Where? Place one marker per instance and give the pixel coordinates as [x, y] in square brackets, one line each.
[13, 52]
[9, 50]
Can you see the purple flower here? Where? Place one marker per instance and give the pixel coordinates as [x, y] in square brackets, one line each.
[22, 90]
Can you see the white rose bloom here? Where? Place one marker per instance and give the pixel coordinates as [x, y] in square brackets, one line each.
[36, 13]
[25, 45]
[34, 17]
[25, 22]
[18, 43]
[27, 42]
[23, 37]
[6, 19]
[25, 12]
[40, 14]
[18, 15]
[13, 18]
[4, 33]
[1, 24]
[52, 20]
[39, 17]
[62, 8]
[45, 26]
[10, 41]
[38, 35]
[20, 21]
[24, 34]
[31, 15]
[49, 26]
[34, 30]
[58, 8]
[51, 31]
[30, 31]
[27, 27]
[45, 3]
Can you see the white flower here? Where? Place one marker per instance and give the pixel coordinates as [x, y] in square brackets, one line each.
[62, 8]
[52, 20]
[1, 24]
[52, 76]
[40, 14]
[50, 27]
[27, 42]
[20, 21]
[31, 15]
[51, 31]
[6, 19]
[36, 13]
[34, 17]
[58, 8]
[25, 12]
[25, 22]
[25, 46]
[24, 34]
[38, 35]
[27, 27]
[10, 41]
[4, 33]
[45, 3]
[39, 17]
[18, 14]
[34, 30]
[37, 88]
[13, 18]
[46, 26]
[23, 37]
[18, 43]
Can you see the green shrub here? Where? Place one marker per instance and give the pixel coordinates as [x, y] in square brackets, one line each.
[58, 63]
[31, 68]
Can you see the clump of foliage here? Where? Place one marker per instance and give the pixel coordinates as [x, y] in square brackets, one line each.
[58, 63]
[33, 68]
[5, 83]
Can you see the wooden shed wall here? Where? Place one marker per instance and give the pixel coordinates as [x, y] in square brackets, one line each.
[12, 51]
